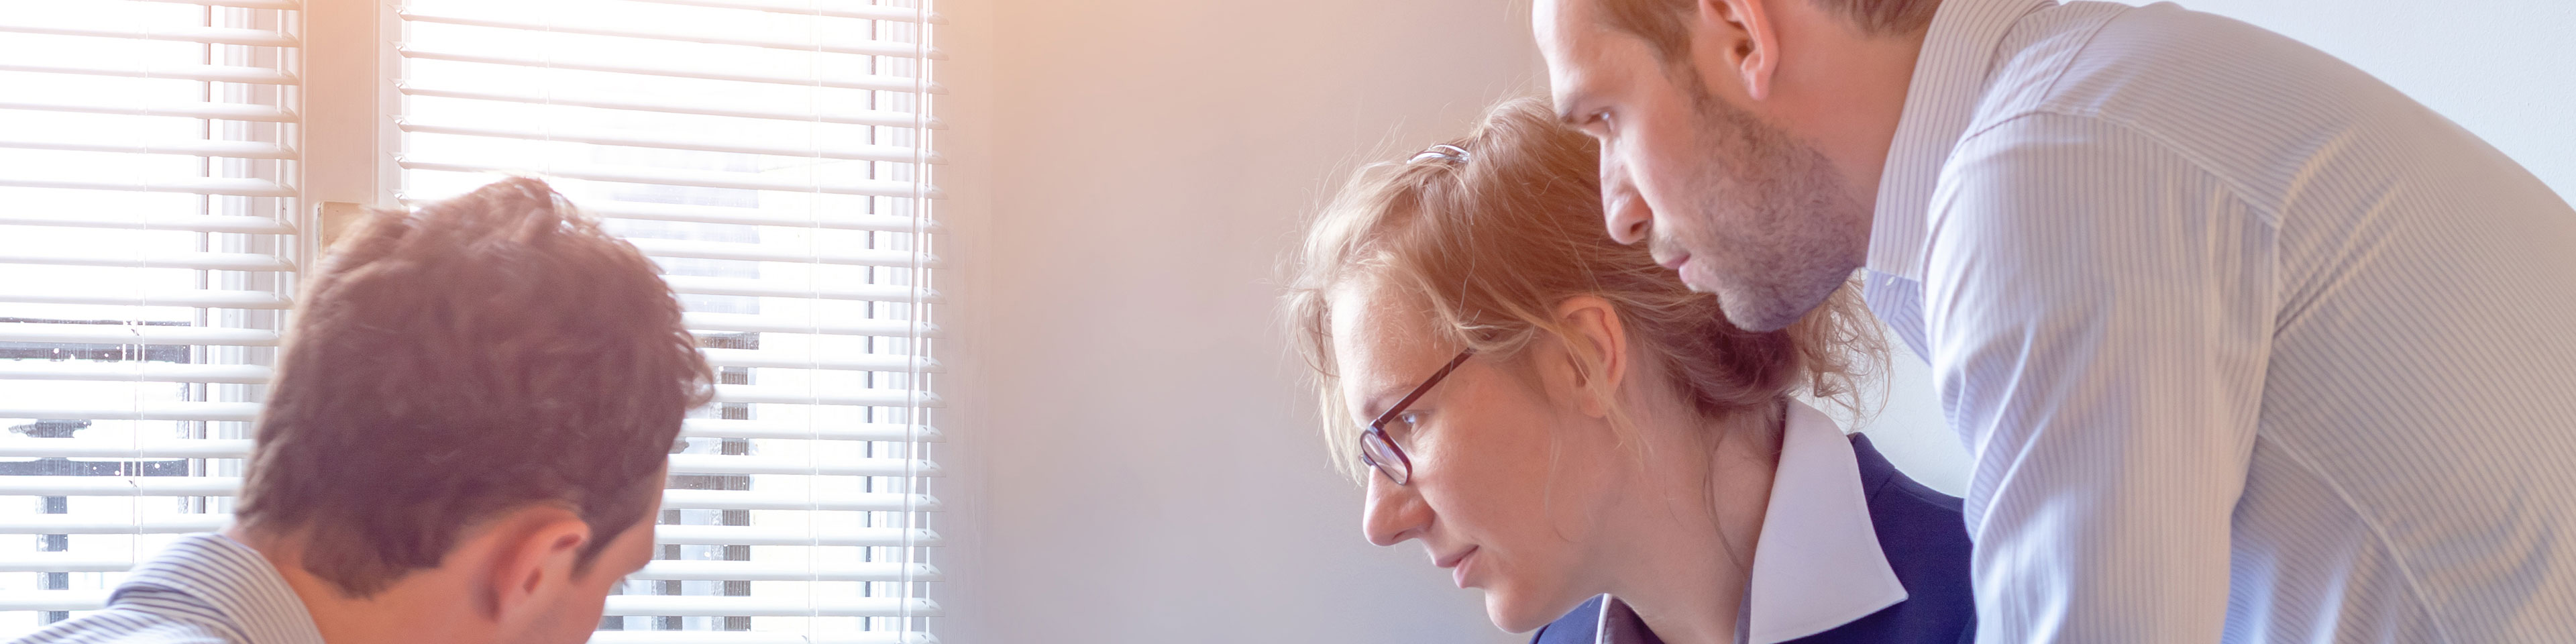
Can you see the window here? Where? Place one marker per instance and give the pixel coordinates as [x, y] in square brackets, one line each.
[772, 155]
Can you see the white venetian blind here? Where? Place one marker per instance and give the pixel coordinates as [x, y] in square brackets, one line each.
[774, 157]
[148, 165]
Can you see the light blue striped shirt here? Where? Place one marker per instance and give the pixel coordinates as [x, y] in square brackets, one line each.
[2245, 345]
[205, 589]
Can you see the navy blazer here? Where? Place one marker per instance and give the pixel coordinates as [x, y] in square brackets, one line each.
[1926, 541]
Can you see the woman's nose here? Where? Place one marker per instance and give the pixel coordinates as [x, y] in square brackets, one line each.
[1394, 513]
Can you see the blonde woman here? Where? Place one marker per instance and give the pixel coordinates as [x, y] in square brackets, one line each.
[1568, 427]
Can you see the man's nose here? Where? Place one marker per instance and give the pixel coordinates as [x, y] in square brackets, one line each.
[1622, 210]
[1394, 513]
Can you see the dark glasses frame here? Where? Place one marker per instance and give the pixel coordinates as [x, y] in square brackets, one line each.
[1380, 452]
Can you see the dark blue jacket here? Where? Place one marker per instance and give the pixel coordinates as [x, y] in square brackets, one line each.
[1926, 541]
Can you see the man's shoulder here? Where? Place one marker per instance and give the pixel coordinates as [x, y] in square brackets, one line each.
[131, 626]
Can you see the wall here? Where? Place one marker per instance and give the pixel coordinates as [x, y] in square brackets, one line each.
[1126, 176]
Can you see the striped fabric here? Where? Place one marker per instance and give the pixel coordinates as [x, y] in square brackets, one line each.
[205, 589]
[2245, 345]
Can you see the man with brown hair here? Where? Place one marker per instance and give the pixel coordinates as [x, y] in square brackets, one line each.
[465, 443]
[2246, 345]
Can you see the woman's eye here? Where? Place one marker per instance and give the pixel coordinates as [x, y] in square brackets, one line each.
[1410, 419]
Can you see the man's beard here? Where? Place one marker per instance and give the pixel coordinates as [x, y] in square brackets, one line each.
[1768, 235]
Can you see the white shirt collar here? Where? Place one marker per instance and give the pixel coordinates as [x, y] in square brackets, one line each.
[1949, 77]
[1818, 564]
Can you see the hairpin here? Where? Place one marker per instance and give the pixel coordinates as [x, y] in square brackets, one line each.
[1442, 152]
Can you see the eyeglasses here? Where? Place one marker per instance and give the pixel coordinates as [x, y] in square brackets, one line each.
[1380, 452]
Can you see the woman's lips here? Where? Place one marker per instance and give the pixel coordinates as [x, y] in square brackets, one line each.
[1458, 566]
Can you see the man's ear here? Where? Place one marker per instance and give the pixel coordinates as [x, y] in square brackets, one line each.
[1594, 359]
[1735, 40]
[534, 551]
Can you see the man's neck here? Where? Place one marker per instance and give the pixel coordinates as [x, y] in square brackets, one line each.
[1845, 92]
[409, 612]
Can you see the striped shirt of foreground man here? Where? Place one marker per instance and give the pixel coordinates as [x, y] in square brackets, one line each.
[466, 443]
[205, 589]
[2246, 345]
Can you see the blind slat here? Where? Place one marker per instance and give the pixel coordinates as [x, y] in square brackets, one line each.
[246, 4]
[764, 536]
[132, 370]
[697, 178]
[118, 485]
[170, 448]
[695, 105]
[217, 111]
[152, 221]
[835, 81]
[781, 253]
[63, 525]
[202, 298]
[694, 285]
[739, 322]
[792, 500]
[761, 637]
[668, 569]
[118, 334]
[212, 73]
[208, 411]
[785, 394]
[207, 35]
[809, 8]
[742, 571]
[780, 606]
[725, 428]
[62, 562]
[806, 147]
[835, 46]
[202, 148]
[749, 217]
[199, 261]
[671, 499]
[192, 185]
[721, 464]
[810, 360]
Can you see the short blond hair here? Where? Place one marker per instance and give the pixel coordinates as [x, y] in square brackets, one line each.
[1491, 241]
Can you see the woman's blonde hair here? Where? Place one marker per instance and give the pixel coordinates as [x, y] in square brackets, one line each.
[1490, 235]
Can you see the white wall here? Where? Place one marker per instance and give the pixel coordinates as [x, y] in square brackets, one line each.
[2504, 69]
[1138, 461]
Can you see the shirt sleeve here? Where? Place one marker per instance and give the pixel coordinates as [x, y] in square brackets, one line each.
[2098, 312]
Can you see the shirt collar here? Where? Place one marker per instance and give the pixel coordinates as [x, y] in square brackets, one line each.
[1818, 564]
[234, 580]
[1949, 76]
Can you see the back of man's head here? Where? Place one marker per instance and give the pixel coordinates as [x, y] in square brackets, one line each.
[447, 364]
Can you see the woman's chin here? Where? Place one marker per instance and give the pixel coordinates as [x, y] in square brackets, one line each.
[1514, 613]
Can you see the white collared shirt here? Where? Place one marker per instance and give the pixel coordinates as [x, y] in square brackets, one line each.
[1817, 564]
[2245, 345]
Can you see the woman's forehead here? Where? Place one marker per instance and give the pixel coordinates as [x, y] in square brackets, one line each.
[1380, 339]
